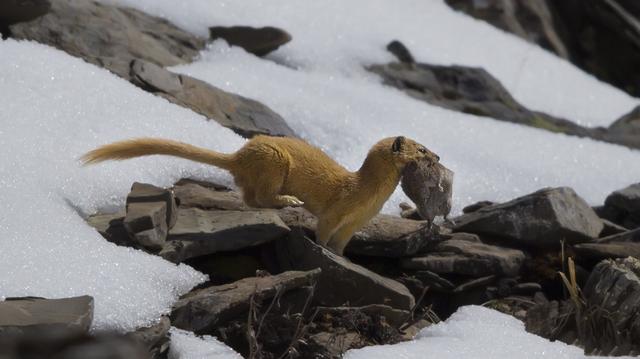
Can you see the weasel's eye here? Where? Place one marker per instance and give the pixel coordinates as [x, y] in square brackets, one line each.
[422, 150]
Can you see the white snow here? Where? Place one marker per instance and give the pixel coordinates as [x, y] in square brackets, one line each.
[186, 345]
[335, 37]
[53, 108]
[473, 332]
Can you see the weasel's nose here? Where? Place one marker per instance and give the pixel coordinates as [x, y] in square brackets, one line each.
[437, 158]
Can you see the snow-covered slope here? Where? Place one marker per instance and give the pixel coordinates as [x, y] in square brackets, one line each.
[335, 37]
[53, 109]
[473, 332]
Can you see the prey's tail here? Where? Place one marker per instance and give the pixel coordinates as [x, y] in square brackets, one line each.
[156, 146]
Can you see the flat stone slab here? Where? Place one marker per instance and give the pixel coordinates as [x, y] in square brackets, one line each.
[468, 258]
[540, 219]
[192, 195]
[244, 116]
[341, 282]
[599, 251]
[198, 232]
[202, 310]
[389, 236]
[30, 313]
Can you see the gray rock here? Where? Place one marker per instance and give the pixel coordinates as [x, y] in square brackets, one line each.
[624, 206]
[430, 188]
[70, 344]
[258, 41]
[341, 281]
[29, 314]
[600, 251]
[143, 192]
[468, 258]
[611, 228]
[111, 227]
[15, 11]
[434, 280]
[199, 232]
[146, 223]
[614, 289]
[401, 52]
[191, 195]
[540, 219]
[155, 338]
[244, 116]
[627, 236]
[626, 129]
[202, 310]
[476, 206]
[389, 236]
[110, 36]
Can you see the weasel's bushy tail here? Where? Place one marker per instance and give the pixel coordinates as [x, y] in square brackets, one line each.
[123, 150]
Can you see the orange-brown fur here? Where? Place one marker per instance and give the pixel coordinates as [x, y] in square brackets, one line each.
[280, 171]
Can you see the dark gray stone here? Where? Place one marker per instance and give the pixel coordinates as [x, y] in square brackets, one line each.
[30, 314]
[611, 228]
[389, 236]
[540, 219]
[199, 232]
[15, 11]
[111, 227]
[155, 338]
[600, 251]
[70, 344]
[626, 130]
[143, 193]
[202, 310]
[258, 41]
[146, 223]
[613, 288]
[623, 206]
[430, 188]
[341, 282]
[401, 52]
[468, 258]
[476, 206]
[244, 116]
[110, 36]
[529, 288]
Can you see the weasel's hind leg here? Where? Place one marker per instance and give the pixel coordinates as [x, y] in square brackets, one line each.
[262, 180]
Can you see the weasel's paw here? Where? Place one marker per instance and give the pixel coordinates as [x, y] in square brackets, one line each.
[292, 201]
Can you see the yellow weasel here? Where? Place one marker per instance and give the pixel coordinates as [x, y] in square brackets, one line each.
[282, 171]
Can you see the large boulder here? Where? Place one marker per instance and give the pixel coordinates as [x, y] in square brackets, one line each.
[623, 206]
[258, 41]
[202, 310]
[110, 36]
[244, 116]
[198, 232]
[34, 315]
[540, 219]
[341, 281]
[468, 258]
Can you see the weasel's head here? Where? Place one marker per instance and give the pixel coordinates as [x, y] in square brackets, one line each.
[405, 151]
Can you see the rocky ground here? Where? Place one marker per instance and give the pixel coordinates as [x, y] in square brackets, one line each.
[272, 291]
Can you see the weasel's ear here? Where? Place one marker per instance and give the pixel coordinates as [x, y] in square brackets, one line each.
[397, 144]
